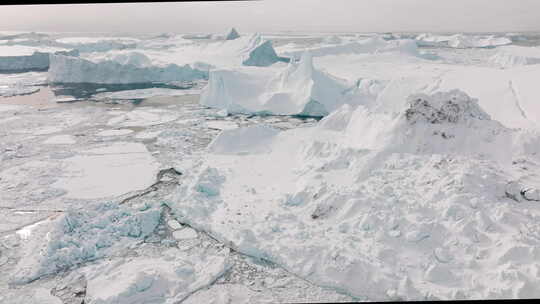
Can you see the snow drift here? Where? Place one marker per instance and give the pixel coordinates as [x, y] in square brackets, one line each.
[64, 69]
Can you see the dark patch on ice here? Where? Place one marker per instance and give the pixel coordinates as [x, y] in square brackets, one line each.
[71, 290]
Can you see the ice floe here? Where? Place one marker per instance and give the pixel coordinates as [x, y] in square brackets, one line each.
[108, 171]
[143, 117]
[82, 236]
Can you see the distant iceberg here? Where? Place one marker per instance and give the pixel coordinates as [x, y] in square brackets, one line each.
[134, 69]
[513, 55]
[461, 41]
[38, 61]
[365, 46]
[233, 34]
[264, 55]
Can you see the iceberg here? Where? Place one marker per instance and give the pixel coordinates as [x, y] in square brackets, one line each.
[300, 89]
[461, 41]
[38, 61]
[338, 203]
[233, 34]
[263, 55]
[65, 69]
[372, 45]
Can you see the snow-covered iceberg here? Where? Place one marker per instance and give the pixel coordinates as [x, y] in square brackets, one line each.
[300, 89]
[410, 204]
[65, 69]
[461, 41]
[370, 45]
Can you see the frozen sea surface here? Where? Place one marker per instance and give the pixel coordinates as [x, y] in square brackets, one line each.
[421, 180]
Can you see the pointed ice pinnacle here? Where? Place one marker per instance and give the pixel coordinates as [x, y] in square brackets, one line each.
[233, 34]
[263, 55]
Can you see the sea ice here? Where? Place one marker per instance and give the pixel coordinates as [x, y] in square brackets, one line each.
[80, 236]
[143, 117]
[108, 171]
[118, 132]
[60, 140]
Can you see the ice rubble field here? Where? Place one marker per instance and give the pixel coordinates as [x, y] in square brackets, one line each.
[194, 168]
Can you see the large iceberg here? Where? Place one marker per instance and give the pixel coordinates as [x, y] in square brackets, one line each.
[65, 69]
[300, 89]
[407, 205]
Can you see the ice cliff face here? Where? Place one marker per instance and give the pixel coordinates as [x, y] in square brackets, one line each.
[38, 61]
[299, 89]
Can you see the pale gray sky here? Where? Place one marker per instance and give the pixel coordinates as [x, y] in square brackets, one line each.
[278, 15]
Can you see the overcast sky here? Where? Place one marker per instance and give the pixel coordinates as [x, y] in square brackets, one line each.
[278, 15]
